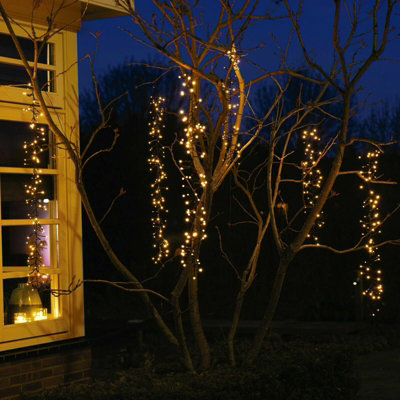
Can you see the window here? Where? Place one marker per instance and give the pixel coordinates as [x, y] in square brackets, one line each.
[7, 49]
[13, 76]
[16, 215]
[16, 226]
[44, 317]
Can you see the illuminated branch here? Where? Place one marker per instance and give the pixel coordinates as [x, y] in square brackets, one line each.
[378, 145]
[365, 179]
[73, 286]
[350, 249]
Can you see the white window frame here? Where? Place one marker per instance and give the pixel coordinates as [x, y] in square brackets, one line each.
[15, 95]
[64, 110]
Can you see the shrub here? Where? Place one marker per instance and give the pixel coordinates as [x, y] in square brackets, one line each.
[284, 371]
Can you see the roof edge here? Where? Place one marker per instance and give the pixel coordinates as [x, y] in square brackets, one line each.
[100, 9]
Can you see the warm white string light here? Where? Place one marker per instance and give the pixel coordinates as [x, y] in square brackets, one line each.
[192, 182]
[36, 241]
[194, 141]
[369, 271]
[312, 179]
[158, 186]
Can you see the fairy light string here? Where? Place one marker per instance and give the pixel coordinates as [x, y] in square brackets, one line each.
[192, 168]
[158, 185]
[311, 179]
[233, 104]
[370, 272]
[36, 241]
[192, 175]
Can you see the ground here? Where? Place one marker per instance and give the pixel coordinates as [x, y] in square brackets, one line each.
[379, 375]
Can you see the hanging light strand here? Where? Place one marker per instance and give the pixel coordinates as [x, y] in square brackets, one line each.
[312, 179]
[158, 186]
[36, 241]
[193, 181]
[369, 270]
[194, 141]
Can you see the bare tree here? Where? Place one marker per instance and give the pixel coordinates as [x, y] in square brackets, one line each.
[348, 67]
[215, 137]
[181, 38]
[213, 121]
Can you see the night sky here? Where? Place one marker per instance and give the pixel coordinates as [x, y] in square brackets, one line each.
[116, 46]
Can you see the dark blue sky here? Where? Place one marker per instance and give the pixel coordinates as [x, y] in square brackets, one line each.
[116, 46]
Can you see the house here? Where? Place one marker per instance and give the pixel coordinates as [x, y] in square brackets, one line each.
[40, 211]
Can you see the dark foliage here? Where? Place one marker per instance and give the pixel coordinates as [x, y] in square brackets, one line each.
[291, 371]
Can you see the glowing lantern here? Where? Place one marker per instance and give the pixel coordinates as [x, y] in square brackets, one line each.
[25, 305]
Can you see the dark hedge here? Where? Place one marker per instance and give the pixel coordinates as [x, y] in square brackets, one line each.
[284, 371]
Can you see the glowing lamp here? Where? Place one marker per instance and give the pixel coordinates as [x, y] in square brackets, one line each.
[25, 305]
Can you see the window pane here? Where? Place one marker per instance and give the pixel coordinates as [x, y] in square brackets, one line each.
[16, 75]
[13, 197]
[13, 135]
[7, 49]
[22, 303]
[15, 251]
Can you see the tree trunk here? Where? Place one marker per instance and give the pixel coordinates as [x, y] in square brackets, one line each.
[193, 289]
[235, 322]
[271, 308]
[197, 326]
[246, 281]
[187, 359]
